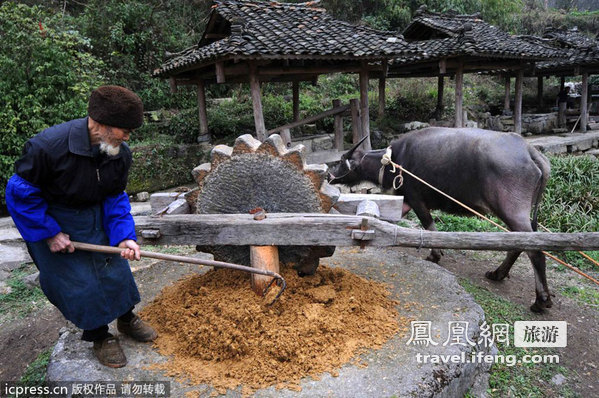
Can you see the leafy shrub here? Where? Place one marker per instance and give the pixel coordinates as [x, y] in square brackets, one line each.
[47, 75]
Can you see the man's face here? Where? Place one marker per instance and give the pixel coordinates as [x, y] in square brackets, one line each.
[112, 138]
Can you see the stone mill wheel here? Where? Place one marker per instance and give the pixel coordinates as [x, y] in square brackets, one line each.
[269, 176]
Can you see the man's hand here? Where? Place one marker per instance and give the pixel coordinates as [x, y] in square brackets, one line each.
[60, 242]
[131, 251]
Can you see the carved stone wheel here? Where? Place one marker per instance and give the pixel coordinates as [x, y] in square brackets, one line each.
[264, 175]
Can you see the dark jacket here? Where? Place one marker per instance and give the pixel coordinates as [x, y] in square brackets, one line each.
[61, 162]
[59, 166]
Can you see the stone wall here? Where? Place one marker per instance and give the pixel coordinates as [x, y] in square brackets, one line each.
[533, 123]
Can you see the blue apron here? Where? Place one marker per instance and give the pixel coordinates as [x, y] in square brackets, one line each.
[90, 289]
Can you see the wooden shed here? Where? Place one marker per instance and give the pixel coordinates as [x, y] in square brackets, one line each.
[580, 57]
[455, 44]
[258, 41]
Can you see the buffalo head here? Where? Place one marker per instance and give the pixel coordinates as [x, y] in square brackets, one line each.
[347, 171]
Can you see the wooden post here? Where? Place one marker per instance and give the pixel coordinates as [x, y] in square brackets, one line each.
[286, 136]
[506, 99]
[356, 123]
[338, 127]
[440, 88]
[562, 83]
[257, 103]
[266, 258]
[220, 72]
[540, 92]
[204, 134]
[459, 97]
[382, 83]
[296, 110]
[364, 106]
[584, 103]
[518, 103]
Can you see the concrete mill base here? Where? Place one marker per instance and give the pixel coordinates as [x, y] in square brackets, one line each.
[426, 292]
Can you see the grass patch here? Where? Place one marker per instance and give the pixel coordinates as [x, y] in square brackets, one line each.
[450, 223]
[35, 374]
[522, 379]
[22, 300]
[582, 294]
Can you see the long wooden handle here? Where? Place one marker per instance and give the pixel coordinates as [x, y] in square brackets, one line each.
[171, 257]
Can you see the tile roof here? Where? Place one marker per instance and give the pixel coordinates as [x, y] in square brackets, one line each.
[267, 30]
[446, 35]
[577, 49]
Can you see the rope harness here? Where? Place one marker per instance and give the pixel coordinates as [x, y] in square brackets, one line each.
[386, 160]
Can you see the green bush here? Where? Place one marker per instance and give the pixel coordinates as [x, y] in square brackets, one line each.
[163, 165]
[47, 75]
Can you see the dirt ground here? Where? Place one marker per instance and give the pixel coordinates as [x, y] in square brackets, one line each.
[22, 340]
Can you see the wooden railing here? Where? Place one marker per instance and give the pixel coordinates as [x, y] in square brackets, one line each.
[338, 111]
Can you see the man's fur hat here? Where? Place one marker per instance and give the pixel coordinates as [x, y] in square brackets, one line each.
[116, 106]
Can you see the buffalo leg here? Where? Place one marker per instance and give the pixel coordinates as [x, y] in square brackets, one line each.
[521, 223]
[504, 269]
[426, 220]
[543, 297]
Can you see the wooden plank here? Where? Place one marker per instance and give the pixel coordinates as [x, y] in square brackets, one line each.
[321, 115]
[335, 230]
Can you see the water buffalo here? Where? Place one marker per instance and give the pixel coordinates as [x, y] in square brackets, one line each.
[491, 172]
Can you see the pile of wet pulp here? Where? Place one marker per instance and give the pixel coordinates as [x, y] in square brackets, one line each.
[215, 330]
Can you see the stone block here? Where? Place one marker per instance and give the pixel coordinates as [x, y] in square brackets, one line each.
[390, 206]
[322, 144]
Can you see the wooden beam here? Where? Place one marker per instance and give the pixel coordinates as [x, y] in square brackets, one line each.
[459, 97]
[172, 85]
[364, 113]
[338, 126]
[296, 100]
[506, 98]
[440, 88]
[257, 103]
[518, 103]
[356, 122]
[220, 72]
[336, 230]
[382, 83]
[204, 134]
[443, 66]
[540, 92]
[321, 115]
[584, 96]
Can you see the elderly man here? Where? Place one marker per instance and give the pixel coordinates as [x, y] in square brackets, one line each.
[69, 186]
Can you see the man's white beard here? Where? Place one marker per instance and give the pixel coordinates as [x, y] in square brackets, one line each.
[108, 149]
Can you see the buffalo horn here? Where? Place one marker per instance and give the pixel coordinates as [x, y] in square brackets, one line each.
[351, 151]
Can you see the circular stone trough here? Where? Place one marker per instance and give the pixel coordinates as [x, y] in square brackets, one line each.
[426, 292]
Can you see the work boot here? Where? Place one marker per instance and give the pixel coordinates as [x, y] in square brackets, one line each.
[137, 329]
[109, 352]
